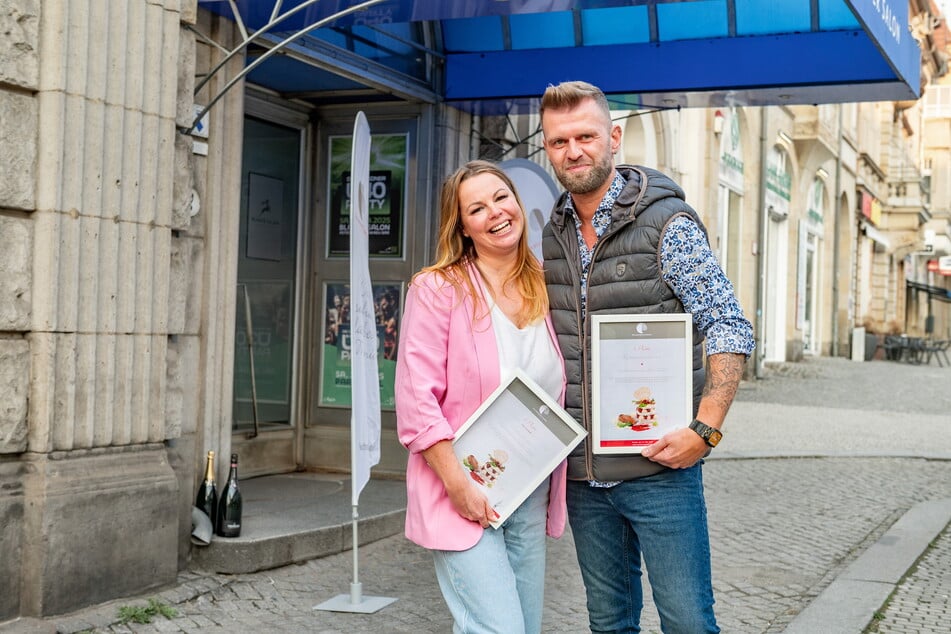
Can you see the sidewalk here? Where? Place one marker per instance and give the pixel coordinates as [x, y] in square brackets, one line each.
[831, 482]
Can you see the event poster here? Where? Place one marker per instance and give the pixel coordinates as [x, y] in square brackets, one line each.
[516, 438]
[387, 192]
[335, 371]
[642, 379]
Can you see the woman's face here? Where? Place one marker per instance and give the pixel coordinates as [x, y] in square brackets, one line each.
[490, 215]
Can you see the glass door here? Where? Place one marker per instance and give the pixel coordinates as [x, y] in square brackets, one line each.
[265, 329]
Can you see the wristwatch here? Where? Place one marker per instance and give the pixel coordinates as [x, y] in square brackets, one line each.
[710, 435]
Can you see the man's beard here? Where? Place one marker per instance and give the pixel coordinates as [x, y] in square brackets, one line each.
[589, 182]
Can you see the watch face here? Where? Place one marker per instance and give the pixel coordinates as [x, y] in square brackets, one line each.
[710, 435]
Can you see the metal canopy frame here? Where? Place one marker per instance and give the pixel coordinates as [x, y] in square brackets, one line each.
[496, 57]
[263, 37]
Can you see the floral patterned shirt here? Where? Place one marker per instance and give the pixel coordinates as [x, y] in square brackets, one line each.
[690, 268]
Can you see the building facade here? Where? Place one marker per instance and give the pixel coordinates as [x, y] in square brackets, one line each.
[151, 258]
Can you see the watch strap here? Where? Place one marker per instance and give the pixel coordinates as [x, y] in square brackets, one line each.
[710, 435]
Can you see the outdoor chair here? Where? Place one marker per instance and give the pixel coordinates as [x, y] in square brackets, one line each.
[916, 350]
[938, 349]
[894, 347]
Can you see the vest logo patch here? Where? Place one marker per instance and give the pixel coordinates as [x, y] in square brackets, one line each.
[620, 268]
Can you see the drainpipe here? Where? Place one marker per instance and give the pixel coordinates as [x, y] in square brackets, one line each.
[835, 242]
[760, 322]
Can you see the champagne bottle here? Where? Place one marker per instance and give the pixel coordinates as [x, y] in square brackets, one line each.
[207, 498]
[229, 506]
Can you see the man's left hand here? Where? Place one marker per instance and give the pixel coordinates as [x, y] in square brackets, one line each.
[679, 449]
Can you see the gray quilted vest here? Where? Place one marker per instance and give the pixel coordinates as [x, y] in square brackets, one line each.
[624, 277]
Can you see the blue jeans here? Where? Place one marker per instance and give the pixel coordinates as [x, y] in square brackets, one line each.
[662, 517]
[498, 585]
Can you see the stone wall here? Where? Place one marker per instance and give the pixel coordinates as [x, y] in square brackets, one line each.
[98, 526]
[19, 61]
[101, 259]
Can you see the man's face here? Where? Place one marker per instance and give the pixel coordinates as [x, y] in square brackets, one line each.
[580, 143]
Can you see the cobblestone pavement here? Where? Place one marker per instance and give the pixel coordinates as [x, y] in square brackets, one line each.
[922, 603]
[781, 527]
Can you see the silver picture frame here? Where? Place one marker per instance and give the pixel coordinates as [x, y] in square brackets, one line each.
[641, 378]
[514, 441]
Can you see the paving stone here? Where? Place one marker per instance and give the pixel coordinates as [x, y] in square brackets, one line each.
[782, 526]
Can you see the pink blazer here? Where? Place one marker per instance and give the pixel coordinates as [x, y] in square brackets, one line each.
[448, 364]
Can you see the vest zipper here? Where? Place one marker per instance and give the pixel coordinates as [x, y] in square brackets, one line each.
[574, 260]
[586, 377]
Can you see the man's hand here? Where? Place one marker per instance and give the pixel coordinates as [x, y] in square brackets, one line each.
[680, 449]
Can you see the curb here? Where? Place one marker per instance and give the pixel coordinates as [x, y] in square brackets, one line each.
[849, 603]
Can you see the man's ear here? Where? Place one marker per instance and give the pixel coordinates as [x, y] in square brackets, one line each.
[615, 138]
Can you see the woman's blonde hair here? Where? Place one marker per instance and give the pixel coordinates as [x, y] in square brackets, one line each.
[454, 251]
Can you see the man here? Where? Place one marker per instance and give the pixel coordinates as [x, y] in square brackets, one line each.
[622, 240]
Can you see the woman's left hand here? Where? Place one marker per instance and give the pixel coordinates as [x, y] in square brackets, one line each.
[468, 500]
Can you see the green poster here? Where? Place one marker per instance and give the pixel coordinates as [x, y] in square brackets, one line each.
[386, 195]
[335, 371]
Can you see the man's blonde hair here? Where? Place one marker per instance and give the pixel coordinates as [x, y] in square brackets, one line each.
[569, 94]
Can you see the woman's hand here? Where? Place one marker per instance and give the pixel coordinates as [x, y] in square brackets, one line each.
[471, 503]
[466, 498]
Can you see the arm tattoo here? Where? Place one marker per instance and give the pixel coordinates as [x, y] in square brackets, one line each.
[724, 371]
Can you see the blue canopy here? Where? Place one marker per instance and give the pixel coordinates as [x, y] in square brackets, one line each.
[499, 55]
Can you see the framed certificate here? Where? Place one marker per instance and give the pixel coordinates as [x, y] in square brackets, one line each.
[641, 378]
[516, 438]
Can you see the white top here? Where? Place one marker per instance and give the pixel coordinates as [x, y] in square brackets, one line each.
[529, 349]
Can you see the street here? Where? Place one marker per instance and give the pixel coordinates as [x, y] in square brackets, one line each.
[819, 460]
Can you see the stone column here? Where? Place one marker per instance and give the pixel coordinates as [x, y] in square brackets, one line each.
[96, 482]
[117, 293]
[206, 219]
[19, 76]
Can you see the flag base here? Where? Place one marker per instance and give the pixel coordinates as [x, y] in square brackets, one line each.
[344, 603]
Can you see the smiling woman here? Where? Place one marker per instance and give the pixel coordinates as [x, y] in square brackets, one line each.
[491, 217]
[478, 314]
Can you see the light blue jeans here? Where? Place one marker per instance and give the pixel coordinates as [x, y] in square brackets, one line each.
[662, 517]
[498, 585]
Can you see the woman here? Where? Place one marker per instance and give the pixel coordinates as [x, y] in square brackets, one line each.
[477, 313]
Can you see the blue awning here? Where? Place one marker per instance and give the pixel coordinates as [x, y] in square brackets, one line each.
[499, 55]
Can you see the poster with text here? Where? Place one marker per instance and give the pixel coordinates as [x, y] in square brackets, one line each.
[387, 193]
[335, 373]
[642, 381]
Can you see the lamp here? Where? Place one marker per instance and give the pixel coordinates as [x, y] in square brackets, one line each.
[777, 215]
[718, 122]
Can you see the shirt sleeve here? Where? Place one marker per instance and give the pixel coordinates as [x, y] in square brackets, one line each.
[690, 268]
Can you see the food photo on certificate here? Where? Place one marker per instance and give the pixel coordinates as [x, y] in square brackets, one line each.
[642, 379]
[516, 438]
